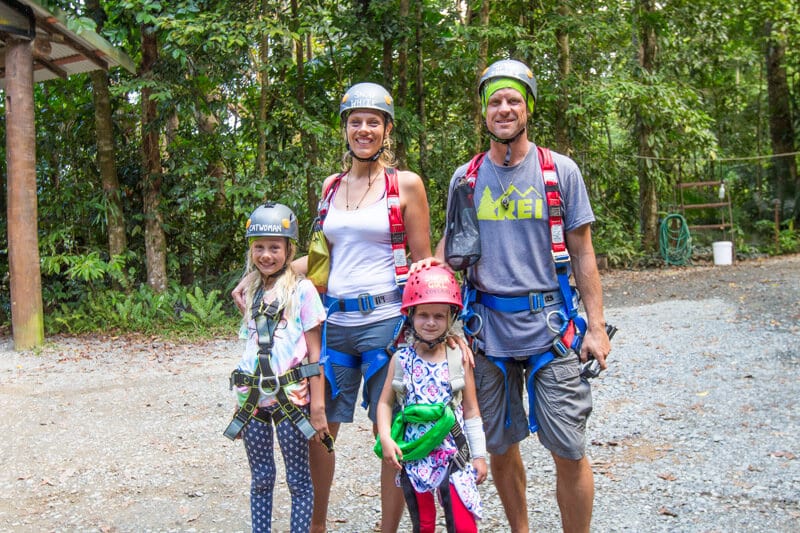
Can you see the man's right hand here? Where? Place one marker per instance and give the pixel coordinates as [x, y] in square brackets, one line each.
[426, 263]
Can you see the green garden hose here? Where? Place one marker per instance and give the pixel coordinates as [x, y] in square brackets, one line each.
[675, 241]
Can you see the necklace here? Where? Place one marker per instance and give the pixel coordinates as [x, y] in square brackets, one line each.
[370, 181]
[506, 192]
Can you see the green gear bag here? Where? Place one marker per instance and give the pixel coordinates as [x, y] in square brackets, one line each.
[416, 414]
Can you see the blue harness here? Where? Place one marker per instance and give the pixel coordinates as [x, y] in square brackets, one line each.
[375, 359]
[571, 327]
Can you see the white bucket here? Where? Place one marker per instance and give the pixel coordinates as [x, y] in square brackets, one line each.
[723, 252]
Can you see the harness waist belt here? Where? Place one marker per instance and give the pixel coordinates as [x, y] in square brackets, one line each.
[533, 301]
[239, 378]
[365, 303]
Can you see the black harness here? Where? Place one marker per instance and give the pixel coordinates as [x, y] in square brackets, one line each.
[264, 381]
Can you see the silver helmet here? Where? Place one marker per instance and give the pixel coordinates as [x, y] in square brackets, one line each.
[272, 220]
[367, 96]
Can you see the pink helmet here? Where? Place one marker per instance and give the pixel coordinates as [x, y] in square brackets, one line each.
[433, 285]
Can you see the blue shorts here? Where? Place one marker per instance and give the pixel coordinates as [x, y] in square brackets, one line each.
[563, 405]
[356, 340]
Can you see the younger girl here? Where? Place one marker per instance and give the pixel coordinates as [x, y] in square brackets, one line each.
[278, 380]
[426, 441]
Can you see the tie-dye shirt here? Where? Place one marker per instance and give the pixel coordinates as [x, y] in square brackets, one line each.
[289, 347]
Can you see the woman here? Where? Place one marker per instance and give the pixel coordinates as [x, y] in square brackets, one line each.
[366, 275]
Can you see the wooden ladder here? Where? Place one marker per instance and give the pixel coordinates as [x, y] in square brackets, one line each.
[710, 190]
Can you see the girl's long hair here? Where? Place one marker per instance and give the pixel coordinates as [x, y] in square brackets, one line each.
[285, 283]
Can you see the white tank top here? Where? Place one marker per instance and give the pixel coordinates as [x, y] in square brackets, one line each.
[361, 260]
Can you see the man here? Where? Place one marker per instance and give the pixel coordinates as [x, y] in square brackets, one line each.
[524, 309]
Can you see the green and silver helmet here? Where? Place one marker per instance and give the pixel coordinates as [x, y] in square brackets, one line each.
[507, 73]
[272, 220]
[367, 96]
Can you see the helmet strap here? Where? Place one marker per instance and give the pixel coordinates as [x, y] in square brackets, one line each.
[438, 340]
[430, 344]
[371, 159]
[507, 142]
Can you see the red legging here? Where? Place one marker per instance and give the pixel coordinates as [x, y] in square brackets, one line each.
[463, 519]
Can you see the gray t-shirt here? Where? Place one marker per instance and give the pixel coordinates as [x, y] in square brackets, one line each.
[515, 246]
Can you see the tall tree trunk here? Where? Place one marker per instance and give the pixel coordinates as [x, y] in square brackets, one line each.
[106, 154]
[483, 59]
[154, 237]
[401, 96]
[27, 319]
[312, 150]
[563, 144]
[781, 129]
[648, 199]
[420, 85]
[263, 55]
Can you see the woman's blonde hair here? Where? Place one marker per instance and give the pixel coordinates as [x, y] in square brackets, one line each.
[285, 282]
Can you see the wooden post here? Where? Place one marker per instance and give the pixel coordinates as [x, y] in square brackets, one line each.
[27, 320]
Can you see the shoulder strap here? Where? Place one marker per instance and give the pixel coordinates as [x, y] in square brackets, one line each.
[472, 170]
[397, 226]
[397, 381]
[558, 242]
[327, 197]
[555, 209]
[455, 367]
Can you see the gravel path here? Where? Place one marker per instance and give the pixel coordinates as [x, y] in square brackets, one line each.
[695, 429]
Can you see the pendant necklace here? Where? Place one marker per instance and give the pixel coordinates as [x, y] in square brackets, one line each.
[506, 192]
[370, 181]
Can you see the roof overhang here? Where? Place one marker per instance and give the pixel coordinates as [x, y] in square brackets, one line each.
[59, 52]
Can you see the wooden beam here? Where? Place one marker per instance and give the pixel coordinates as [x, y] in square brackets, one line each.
[48, 24]
[27, 320]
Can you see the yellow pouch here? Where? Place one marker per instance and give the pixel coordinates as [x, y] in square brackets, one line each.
[319, 258]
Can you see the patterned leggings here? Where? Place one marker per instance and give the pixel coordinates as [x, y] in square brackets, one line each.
[258, 443]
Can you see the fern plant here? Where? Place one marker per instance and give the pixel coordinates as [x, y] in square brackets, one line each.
[204, 310]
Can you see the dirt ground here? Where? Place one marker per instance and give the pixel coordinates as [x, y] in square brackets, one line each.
[104, 433]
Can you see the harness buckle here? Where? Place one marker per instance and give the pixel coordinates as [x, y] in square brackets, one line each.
[460, 459]
[559, 348]
[366, 304]
[561, 257]
[535, 302]
[269, 392]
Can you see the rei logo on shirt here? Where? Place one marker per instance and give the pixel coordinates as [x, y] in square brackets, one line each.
[522, 205]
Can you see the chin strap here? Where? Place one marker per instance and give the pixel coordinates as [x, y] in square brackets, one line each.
[365, 159]
[507, 142]
[430, 344]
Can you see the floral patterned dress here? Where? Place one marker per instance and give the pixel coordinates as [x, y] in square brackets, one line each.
[429, 383]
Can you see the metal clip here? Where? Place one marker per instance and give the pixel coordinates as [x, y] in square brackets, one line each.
[535, 302]
[365, 304]
[271, 392]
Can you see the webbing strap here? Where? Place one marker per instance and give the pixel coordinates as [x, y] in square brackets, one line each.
[472, 170]
[561, 347]
[243, 379]
[364, 303]
[375, 359]
[266, 322]
[397, 228]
